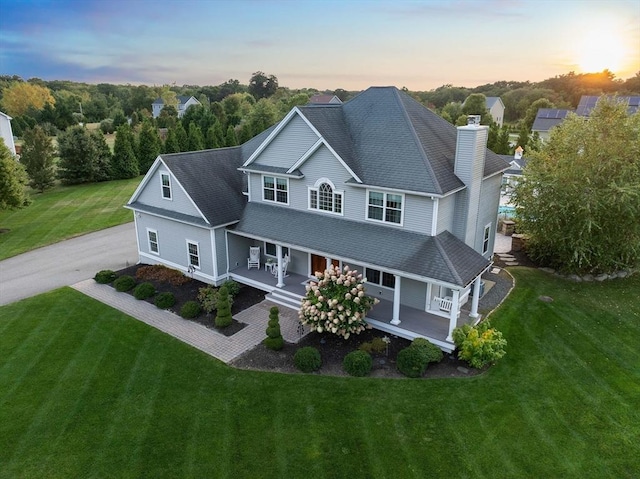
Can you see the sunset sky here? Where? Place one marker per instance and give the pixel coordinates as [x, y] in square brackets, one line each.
[350, 44]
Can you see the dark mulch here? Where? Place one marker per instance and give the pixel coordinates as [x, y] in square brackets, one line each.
[246, 298]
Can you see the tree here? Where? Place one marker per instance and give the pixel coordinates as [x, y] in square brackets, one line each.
[502, 146]
[262, 116]
[195, 139]
[37, 157]
[476, 104]
[532, 112]
[579, 198]
[262, 86]
[215, 136]
[78, 155]
[274, 338]
[13, 178]
[148, 146]
[124, 164]
[21, 97]
[181, 137]
[231, 139]
[523, 137]
[171, 142]
[103, 157]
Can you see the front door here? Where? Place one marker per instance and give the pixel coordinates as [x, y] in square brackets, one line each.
[319, 263]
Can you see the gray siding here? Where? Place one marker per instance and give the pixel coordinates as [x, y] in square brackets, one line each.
[488, 212]
[172, 244]
[446, 212]
[152, 194]
[239, 250]
[413, 293]
[289, 145]
[299, 262]
[418, 213]
[221, 251]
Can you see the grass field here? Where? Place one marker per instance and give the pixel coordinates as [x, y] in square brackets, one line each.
[102, 395]
[65, 212]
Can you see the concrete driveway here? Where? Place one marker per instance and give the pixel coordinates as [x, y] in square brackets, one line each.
[67, 262]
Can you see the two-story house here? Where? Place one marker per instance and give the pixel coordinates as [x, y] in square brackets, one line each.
[6, 133]
[380, 184]
[184, 102]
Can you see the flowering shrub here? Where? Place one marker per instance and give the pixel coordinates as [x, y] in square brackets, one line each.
[336, 303]
[479, 345]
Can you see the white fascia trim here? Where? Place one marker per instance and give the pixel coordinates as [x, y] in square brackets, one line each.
[273, 134]
[147, 177]
[407, 192]
[173, 219]
[434, 214]
[306, 156]
[193, 203]
[315, 147]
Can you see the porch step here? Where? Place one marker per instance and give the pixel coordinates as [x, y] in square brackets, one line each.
[284, 298]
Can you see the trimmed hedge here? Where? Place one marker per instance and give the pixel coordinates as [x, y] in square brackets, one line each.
[105, 276]
[124, 283]
[357, 363]
[433, 353]
[307, 359]
[190, 309]
[165, 300]
[144, 291]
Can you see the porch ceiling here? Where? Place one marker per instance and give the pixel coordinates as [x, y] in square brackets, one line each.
[442, 258]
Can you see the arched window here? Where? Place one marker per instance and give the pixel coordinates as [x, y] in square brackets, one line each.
[324, 197]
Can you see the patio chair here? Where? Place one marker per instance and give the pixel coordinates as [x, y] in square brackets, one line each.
[285, 263]
[253, 261]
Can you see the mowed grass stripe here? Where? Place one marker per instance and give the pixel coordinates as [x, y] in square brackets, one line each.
[65, 212]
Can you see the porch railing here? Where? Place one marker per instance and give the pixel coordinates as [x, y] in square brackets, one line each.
[445, 304]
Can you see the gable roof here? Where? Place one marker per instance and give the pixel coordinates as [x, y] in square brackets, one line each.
[443, 257]
[182, 99]
[319, 98]
[492, 100]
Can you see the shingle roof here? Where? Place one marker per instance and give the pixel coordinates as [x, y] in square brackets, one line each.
[588, 103]
[491, 100]
[390, 140]
[442, 257]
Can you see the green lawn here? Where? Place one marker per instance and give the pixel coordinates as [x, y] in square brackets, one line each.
[102, 395]
[65, 212]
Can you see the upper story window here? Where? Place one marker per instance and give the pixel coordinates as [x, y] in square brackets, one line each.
[275, 189]
[386, 207]
[324, 197]
[165, 181]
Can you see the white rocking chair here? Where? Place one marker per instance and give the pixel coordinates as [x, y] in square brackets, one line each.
[285, 263]
[253, 261]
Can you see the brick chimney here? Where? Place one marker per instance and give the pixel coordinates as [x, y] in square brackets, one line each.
[471, 151]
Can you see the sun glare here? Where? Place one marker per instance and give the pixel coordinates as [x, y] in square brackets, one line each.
[600, 49]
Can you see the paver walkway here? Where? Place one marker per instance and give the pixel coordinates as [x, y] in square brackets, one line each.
[215, 344]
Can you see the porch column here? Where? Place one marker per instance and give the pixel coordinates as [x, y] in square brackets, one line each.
[396, 301]
[280, 283]
[476, 298]
[328, 263]
[453, 315]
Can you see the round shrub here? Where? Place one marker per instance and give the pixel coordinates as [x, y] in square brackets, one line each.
[165, 300]
[434, 353]
[144, 291]
[307, 359]
[357, 363]
[190, 309]
[124, 283]
[412, 362]
[105, 276]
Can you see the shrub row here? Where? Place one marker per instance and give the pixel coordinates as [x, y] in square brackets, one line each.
[414, 360]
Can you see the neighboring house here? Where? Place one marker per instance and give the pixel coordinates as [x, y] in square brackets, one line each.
[547, 118]
[184, 102]
[511, 176]
[6, 133]
[496, 108]
[322, 99]
[380, 184]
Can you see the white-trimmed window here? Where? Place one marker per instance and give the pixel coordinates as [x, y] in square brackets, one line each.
[270, 250]
[275, 189]
[193, 253]
[485, 239]
[380, 278]
[385, 207]
[152, 236]
[165, 183]
[324, 197]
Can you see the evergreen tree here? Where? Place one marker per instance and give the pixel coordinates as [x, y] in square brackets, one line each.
[262, 116]
[523, 137]
[502, 143]
[125, 163]
[223, 315]
[37, 157]
[218, 134]
[148, 146]
[171, 144]
[13, 178]
[494, 132]
[196, 141]
[231, 139]
[103, 158]
[210, 140]
[77, 155]
[274, 338]
[182, 137]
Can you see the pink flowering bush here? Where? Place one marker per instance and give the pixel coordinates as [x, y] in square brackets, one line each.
[337, 303]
